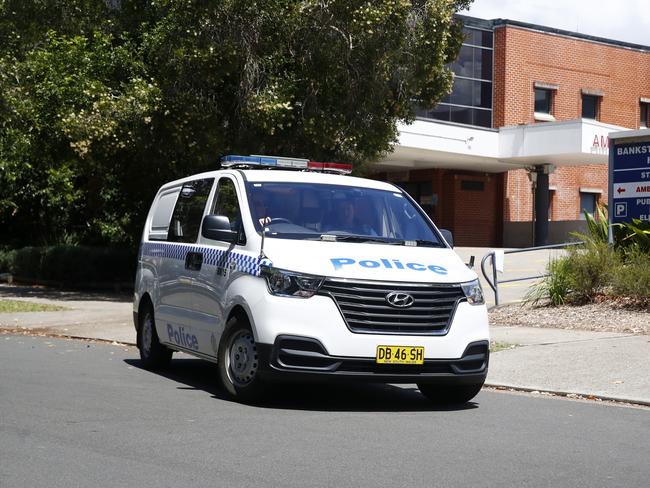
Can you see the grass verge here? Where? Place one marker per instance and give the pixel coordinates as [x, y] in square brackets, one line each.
[13, 306]
[501, 346]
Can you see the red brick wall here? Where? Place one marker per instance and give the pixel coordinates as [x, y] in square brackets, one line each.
[521, 58]
[474, 217]
[476, 214]
[565, 183]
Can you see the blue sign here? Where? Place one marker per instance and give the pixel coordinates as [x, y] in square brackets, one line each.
[630, 181]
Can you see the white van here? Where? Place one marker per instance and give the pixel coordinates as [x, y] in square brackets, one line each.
[277, 269]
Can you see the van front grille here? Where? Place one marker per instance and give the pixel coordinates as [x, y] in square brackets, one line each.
[366, 310]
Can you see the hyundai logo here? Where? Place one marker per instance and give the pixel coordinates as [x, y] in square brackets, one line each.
[399, 300]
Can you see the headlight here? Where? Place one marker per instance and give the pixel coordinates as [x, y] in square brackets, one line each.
[473, 292]
[288, 284]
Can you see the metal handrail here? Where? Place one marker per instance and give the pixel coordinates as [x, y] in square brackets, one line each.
[494, 282]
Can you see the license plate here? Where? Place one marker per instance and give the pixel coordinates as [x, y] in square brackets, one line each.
[400, 355]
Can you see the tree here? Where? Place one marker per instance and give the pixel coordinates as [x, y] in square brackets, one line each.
[72, 109]
[102, 101]
[320, 79]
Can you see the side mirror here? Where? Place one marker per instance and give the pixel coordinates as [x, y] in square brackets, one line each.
[448, 236]
[217, 228]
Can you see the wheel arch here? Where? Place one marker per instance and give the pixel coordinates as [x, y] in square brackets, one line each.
[241, 313]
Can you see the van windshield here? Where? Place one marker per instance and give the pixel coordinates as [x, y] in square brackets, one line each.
[319, 211]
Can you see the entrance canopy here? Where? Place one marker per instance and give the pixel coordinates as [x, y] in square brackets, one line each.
[430, 144]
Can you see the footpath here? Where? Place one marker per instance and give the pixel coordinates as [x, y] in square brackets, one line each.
[575, 363]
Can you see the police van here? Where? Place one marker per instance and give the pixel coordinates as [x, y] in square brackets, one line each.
[289, 269]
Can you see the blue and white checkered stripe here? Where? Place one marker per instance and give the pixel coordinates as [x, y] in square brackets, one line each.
[211, 256]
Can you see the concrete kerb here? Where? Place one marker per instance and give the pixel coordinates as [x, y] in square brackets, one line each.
[53, 335]
[569, 394]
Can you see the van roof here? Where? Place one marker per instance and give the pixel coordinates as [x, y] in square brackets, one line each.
[314, 177]
[288, 176]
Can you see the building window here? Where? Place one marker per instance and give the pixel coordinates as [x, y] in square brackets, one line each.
[590, 106]
[588, 203]
[472, 185]
[543, 101]
[644, 120]
[470, 100]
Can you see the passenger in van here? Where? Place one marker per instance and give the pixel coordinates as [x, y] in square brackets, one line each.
[311, 215]
[349, 221]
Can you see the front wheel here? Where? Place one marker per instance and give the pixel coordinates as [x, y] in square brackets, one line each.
[152, 353]
[239, 363]
[450, 394]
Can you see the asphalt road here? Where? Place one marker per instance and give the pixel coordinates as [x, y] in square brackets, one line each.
[74, 413]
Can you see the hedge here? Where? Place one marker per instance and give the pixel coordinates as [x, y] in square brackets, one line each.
[71, 265]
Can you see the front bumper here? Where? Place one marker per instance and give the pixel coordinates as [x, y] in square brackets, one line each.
[294, 358]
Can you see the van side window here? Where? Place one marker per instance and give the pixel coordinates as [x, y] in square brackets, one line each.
[227, 205]
[162, 215]
[186, 218]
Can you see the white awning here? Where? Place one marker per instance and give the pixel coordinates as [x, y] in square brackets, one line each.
[431, 144]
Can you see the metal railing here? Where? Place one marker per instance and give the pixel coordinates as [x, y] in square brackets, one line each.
[494, 281]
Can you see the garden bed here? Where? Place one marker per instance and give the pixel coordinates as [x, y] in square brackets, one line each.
[603, 315]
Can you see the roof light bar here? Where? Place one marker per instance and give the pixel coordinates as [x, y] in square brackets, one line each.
[339, 168]
[282, 162]
[257, 161]
[235, 160]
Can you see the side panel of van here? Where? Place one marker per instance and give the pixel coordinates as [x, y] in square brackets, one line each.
[176, 260]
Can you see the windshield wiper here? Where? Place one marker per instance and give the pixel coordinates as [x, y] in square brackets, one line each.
[358, 238]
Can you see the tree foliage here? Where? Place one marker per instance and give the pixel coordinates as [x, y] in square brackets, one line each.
[101, 101]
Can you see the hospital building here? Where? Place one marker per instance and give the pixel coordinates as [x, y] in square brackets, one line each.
[518, 151]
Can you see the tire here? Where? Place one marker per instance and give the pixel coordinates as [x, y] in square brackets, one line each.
[152, 353]
[450, 394]
[238, 362]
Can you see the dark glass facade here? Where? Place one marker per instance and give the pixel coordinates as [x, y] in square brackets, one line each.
[470, 100]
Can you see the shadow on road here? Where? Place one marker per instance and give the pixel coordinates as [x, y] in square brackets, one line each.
[197, 374]
[20, 291]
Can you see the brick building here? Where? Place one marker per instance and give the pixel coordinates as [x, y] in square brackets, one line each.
[524, 132]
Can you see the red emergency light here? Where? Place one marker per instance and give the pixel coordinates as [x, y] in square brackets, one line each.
[340, 168]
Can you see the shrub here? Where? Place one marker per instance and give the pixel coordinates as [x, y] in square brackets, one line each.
[555, 287]
[72, 265]
[598, 227]
[578, 277]
[6, 258]
[632, 278]
[27, 263]
[635, 234]
[590, 269]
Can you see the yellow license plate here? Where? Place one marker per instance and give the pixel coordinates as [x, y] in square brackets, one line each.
[400, 355]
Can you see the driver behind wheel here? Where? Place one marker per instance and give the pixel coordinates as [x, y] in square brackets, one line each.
[260, 211]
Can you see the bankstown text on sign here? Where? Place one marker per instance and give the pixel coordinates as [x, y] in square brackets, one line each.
[630, 180]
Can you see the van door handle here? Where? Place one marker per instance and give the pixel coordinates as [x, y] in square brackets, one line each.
[193, 261]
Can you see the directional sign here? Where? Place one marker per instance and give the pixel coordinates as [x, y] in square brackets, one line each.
[630, 180]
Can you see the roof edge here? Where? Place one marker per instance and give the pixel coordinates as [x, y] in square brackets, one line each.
[496, 23]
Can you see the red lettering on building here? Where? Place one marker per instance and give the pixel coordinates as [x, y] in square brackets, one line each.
[602, 141]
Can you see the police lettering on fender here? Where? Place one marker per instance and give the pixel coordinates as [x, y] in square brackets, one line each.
[178, 336]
